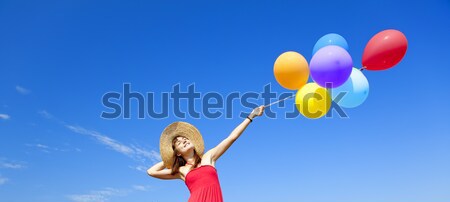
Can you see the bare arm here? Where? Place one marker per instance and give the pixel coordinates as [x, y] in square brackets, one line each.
[223, 146]
[159, 171]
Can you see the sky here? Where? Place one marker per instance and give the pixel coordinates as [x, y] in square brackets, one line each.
[59, 58]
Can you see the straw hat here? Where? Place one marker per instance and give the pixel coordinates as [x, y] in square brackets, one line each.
[179, 129]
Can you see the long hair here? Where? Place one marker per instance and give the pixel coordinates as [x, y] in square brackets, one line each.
[179, 161]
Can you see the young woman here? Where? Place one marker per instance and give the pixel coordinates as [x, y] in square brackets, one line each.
[181, 148]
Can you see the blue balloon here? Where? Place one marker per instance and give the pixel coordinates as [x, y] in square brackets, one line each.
[330, 39]
[355, 90]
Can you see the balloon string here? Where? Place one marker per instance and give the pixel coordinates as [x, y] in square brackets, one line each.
[362, 68]
[279, 101]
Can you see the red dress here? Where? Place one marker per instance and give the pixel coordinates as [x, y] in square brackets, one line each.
[203, 183]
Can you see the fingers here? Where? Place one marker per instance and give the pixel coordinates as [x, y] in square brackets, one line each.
[258, 111]
[261, 110]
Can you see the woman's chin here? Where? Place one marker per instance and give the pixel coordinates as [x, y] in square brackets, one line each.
[190, 147]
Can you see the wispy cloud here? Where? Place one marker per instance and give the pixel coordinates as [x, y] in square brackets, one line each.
[3, 180]
[4, 116]
[111, 143]
[98, 196]
[22, 90]
[106, 194]
[45, 114]
[142, 187]
[48, 149]
[131, 151]
[139, 168]
[12, 165]
[40, 147]
[152, 155]
[137, 153]
[4, 163]
[7, 164]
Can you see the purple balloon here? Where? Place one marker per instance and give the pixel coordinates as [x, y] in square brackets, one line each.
[331, 66]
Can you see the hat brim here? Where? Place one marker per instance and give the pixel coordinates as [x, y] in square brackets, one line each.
[179, 129]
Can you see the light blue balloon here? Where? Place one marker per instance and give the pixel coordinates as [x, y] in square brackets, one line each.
[355, 90]
[330, 39]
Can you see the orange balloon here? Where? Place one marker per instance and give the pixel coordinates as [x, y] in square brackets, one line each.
[291, 70]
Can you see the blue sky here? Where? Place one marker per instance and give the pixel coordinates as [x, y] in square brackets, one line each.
[58, 58]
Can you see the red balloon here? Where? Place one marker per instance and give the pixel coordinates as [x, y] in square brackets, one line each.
[384, 50]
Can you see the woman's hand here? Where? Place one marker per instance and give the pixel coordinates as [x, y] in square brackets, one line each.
[256, 112]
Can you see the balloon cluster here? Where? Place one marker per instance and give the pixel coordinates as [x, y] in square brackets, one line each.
[331, 69]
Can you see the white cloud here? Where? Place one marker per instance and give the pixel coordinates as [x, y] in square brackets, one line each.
[22, 90]
[139, 168]
[135, 152]
[111, 143]
[42, 146]
[98, 196]
[45, 114]
[5, 163]
[106, 194]
[3, 180]
[12, 165]
[4, 116]
[142, 187]
[131, 151]
[153, 155]
[48, 149]
[87, 198]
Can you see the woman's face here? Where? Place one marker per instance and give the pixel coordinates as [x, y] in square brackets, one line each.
[182, 145]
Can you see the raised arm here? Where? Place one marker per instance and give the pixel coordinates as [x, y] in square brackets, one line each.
[159, 171]
[217, 151]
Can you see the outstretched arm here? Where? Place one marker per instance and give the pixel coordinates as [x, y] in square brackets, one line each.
[217, 151]
[159, 171]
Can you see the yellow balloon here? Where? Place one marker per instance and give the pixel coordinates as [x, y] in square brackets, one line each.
[291, 70]
[313, 101]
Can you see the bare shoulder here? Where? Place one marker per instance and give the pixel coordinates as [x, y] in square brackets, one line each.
[182, 171]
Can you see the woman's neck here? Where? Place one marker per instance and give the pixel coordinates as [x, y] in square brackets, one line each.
[190, 158]
[190, 161]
